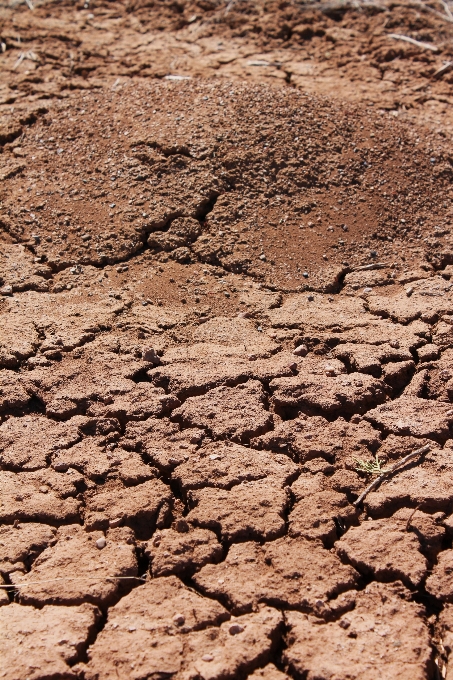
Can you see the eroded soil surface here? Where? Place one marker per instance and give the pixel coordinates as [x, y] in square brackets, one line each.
[226, 261]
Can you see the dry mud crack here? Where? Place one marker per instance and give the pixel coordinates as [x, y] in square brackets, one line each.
[215, 298]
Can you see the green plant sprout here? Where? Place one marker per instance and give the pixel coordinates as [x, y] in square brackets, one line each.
[370, 467]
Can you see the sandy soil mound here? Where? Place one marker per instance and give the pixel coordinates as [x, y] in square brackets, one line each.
[291, 190]
[223, 304]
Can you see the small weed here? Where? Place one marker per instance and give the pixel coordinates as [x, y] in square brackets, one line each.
[370, 467]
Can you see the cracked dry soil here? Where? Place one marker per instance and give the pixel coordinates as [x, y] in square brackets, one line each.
[217, 294]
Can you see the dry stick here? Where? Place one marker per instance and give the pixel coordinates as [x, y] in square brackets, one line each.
[366, 267]
[393, 469]
[412, 41]
[19, 60]
[426, 8]
[74, 578]
[447, 9]
[408, 523]
[443, 69]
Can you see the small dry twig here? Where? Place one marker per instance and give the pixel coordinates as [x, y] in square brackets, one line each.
[447, 9]
[412, 41]
[74, 578]
[19, 60]
[394, 468]
[408, 523]
[368, 267]
[443, 69]
[229, 6]
[25, 55]
[426, 8]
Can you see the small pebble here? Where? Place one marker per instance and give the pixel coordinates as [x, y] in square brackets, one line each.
[344, 623]
[179, 619]
[101, 543]
[6, 290]
[330, 370]
[181, 526]
[310, 298]
[207, 657]
[60, 466]
[43, 489]
[301, 351]
[305, 275]
[394, 343]
[235, 628]
[115, 522]
[151, 355]
[409, 291]
[367, 289]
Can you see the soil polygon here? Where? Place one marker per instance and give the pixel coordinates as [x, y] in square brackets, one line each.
[173, 630]
[315, 517]
[290, 573]
[385, 549]
[182, 550]
[45, 642]
[21, 543]
[138, 506]
[248, 510]
[353, 393]
[78, 552]
[38, 497]
[224, 465]
[388, 637]
[237, 413]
